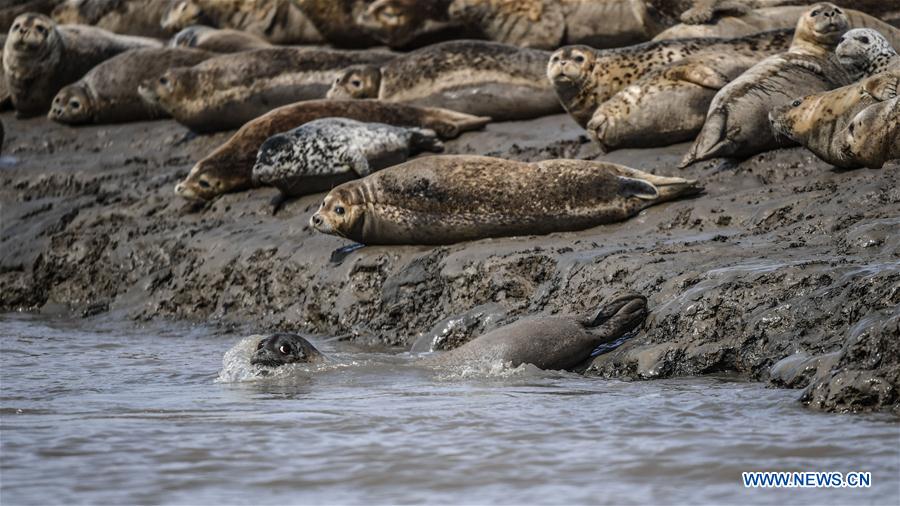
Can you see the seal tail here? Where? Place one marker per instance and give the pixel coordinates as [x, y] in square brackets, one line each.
[450, 124]
[423, 139]
[709, 143]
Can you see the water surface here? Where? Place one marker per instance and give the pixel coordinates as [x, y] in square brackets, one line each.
[114, 412]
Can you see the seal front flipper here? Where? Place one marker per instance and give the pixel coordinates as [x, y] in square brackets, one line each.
[711, 142]
[338, 255]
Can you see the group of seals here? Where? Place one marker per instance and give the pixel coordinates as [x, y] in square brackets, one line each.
[326, 152]
[229, 90]
[547, 342]
[129, 17]
[40, 57]
[446, 199]
[475, 77]
[109, 92]
[229, 168]
[277, 21]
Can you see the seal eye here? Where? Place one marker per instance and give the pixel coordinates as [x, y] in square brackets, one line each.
[554, 59]
[259, 346]
[796, 103]
[814, 13]
[579, 59]
[284, 349]
[40, 29]
[339, 210]
[15, 27]
[863, 39]
[204, 183]
[74, 104]
[356, 83]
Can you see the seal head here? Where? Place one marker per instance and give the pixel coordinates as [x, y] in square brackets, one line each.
[283, 348]
[820, 29]
[865, 52]
[342, 213]
[72, 105]
[569, 70]
[32, 33]
[357, 81]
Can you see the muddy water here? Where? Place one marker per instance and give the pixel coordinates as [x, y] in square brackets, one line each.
[111, 412]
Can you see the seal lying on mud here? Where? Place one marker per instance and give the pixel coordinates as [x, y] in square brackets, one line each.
[474, 77]
[229, 90]
[584, 77]
[667, 106]
[229, 167]
[871, 138]
[454, 198]
[40, 57]
[131, 17]
[326, 152]
[737, 124]
[547, 342]
[335, 21]
[109, 92]
[216, 40]
[277, 21]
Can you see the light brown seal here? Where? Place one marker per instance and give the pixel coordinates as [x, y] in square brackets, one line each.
[870, 139]
[109, 92]
[229, 90]
[40, 57]
[474, 77]
[584, 77]
[131, 17]
[217, 40]
[737, 124]
[229, 168]
[277, 21]
[448, 199]
[666, 106]
[335, 21]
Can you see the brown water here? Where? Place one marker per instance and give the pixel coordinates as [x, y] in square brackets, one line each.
[95, 412]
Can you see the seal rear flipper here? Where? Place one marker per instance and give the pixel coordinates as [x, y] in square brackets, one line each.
[423, 139]
[617, 318]
[710, 142]
[450, 124]
[655, 188]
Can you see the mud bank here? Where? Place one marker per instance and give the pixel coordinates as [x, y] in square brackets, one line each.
[786, 271]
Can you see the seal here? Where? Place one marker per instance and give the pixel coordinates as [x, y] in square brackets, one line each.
[870, 139]
[666, 106]
[11, 9]
[40, 57]
[109, 92]
[737, 124]
[405, 23]
[474, 77]
[5, 98]
[446, 199]
[327, 152]
[131, 17]
[229, 167]
[584, 78]
[335, 21]
[217, 40]
[816, 121]
[277, 21]
[866, 52]
[547, 342]
[229, 90]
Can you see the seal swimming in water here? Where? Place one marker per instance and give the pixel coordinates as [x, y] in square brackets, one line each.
[870, 139]
[326, 152]
[229, 90]
[131, 17]
[217, 40]
[109, 92]
[584, 78]
[737, 124]
[547, 342]
[446, 199]
[666, 106]
[40, 57]
[277, 21]
[474, 77]
[229, 167]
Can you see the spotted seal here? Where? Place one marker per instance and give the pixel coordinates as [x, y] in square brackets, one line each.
[229, 90]
[866, 52]
[336, 21]
[870, 139]
[109, 92]
[131, 17]
[446, 199]
[326, 152]
[277, 21]
[229, 167]
[217, 40]
[474, 77]
[737, 124]
[584, 78]
[40, 57]
[550, 342]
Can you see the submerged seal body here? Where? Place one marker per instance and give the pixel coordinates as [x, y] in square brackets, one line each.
[667, 106]
[737, 124]
[217, 40]
[547, 342]
[326, 152]
[109, 92]
[231, 89]
[277, 21]
[474, 77]
[132, 17]
[229, 167]
[870, 139]
[40, 57]
[584, 78]
[449, 199]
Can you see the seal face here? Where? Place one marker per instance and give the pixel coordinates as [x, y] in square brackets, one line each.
[871, 137]
[447, 199]
[281, 349]
[325, 152]
[865, 52]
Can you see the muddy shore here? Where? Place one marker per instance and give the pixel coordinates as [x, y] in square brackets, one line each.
[786, 270]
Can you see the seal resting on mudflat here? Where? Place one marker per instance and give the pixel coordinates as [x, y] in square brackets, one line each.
[871, 139]
[547, 342]
[229, 167]
[737, 124]
[109, 92]
[40, 57]
[475, 77]
[217, 40]
[326, 152]
[453, 198]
